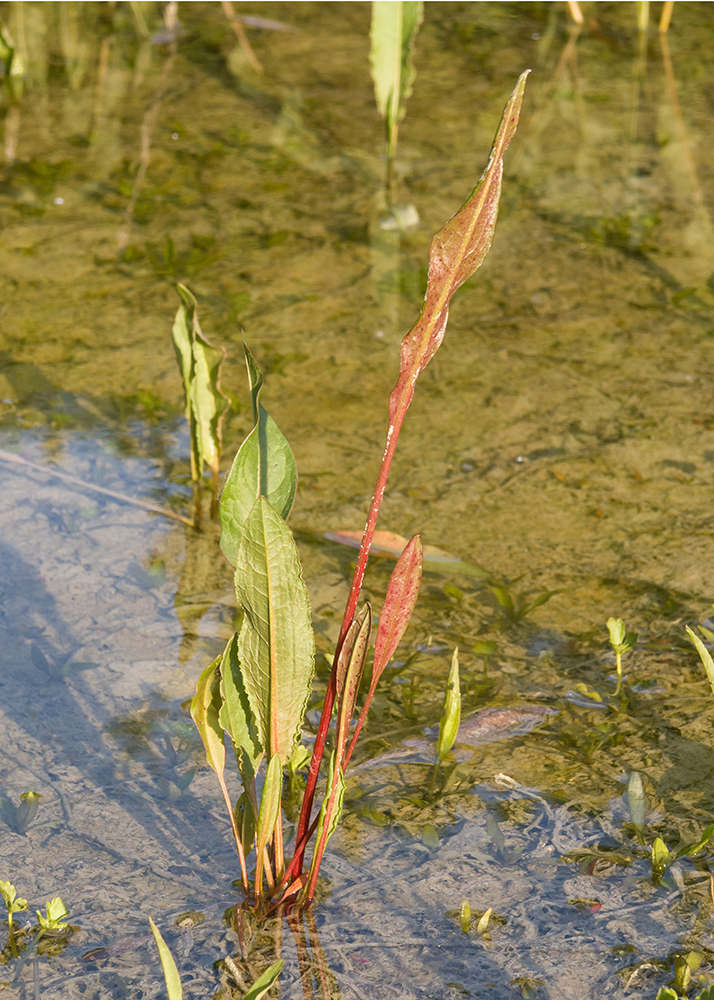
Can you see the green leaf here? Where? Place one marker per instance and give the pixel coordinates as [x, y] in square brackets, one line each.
[56, 913]
[27, 810]
[706, 836]
[235, 715]
[665, 993]
[205, 709]
[616, 628]
[636, 801]
[263, 983]
[503, 597]
[168, 966]
[704, 654]
[200, 364]
[245, 821]
[451, 713]
[661, 859]
[269, 804]
[264, 466]
[13, 902]
[465, 916]
[276, 647]
[394, 26]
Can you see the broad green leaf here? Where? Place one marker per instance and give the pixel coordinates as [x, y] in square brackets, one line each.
[263, 983]
[276, 647]
[235, 715]
[168, 966]
[13, 902]
[636, 801]
[503, 597]
[665, 993]
[205, 708]
[704, 655]
[456, 251]
[394, 26]
[200, 364]
[269, 804]
[661, 858]
[264, 466]
[399, 602]
[451, 713]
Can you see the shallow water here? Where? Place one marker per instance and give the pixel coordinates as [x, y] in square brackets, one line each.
[562, 439]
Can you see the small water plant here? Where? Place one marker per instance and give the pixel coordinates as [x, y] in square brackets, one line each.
[621, 640]
[258, 689]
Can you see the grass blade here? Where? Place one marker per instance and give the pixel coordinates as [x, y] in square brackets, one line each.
[263, 983]
[269, 812]
[704, 654]
[276, 648]
[168, 966]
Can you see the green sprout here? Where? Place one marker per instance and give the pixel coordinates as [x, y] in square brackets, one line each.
[55, 916]
[451, 712]
[621, 640]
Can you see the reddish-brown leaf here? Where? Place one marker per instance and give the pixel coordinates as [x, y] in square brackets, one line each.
[456, 252]
[402, 593]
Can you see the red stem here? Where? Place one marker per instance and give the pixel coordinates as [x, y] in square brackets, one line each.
[357, 578]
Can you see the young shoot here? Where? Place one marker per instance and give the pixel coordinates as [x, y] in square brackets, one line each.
[621, 640]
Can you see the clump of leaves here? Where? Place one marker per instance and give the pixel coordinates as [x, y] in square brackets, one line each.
[258, 689]
[621, 640]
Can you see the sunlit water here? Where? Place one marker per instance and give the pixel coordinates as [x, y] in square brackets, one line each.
[563, 439]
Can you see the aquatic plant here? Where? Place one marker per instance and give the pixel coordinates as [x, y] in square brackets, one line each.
[173, 981]
[621, 640]
[258, 689]
[451, 712]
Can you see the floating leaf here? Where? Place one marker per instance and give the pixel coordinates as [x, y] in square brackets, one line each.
[394, 26]
[200, 364]
[168, 966]
[235, 715]
[276, 648]
[451, 713]
[263, 983]
[704, 655]
[264, 466]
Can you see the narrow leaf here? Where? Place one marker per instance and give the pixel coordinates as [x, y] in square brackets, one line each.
[264, 466]
[205, 709]
[276, 648]
[389, 543]
[636, 801]
[347, 695]
[394, 26]
[707, 834]
[200, 364]
[269, 804]
[245, 821]
[263, 983]
[168, 966]
[235, 715]
[401, 597]
[451, 713]
[704, 655]
[331, 804]
[456, 252]
[343, 660]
